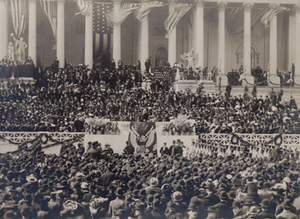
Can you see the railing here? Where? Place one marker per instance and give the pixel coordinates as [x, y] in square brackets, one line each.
[20, 137]
[259, 139]
[225, 139]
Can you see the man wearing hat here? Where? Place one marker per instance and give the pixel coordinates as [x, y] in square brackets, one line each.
[177, 203]
[265, 213]
[107, 151]
[286, 213]
[211, 198]
[153, 186]
[223, 207]
[164, 150]
[237, 210]
[192, 212]
[129, 149]
[251, 189]
[108, 176]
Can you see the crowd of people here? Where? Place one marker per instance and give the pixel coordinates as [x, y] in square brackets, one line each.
[9, 68]
[63, 100]
[97, 183]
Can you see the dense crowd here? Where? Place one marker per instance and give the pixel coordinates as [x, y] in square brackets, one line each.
[63, 100]
[97, 183]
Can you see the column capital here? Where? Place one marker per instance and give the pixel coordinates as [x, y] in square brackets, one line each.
[273, 5]
[199, 2]
[222, 6]
[172, 1]
[248, 6]
[117, 1]
[60, 1]
[297, 8]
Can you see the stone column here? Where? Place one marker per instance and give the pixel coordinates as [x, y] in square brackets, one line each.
[297, 45]
[4, 28]
[117, 35]
[199, 32]
[172, 39]
[60, 48]
[221, 43]
[144, 39]
[32, 30]
[273, 48]
[88, 40]
[247, 43]
[292, 37]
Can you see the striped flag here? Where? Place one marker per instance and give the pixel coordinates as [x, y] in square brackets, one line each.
[19, 15]
[271, 13]
[102, 32]
[144, 9]
[50, 9]
[125, 10]
[175, 14]
[84, 7]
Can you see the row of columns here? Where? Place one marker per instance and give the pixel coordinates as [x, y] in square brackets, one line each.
[32, 34]
[144, 36]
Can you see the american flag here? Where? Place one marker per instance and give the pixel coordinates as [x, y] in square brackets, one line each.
[102, 32]
[101, 15]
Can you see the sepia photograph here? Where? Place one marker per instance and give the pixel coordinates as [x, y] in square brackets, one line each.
[149, 109]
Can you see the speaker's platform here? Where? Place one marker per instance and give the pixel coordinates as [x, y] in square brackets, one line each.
[182, 85]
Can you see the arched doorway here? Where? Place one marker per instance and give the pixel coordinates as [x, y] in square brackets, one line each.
[254, 56]
[161, 56]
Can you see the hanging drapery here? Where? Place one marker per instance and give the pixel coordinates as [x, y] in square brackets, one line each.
[50, 9]
[19, 15]
[177, 11]
[84, 7]
[271, 13]
[102, 33]
[144, 9]
[125, 10]
[235, 18]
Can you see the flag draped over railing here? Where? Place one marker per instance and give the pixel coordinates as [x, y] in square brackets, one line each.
[50, 9]
[271, 13]
[19, 15]
[176, 12]
[144, 9]
[125, 10]
[84, 7]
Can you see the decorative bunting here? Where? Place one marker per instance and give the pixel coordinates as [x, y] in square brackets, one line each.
[144, 9]
[19, 15]
[125, 10]
[271, 13]
[50, 9]
[84, 7]
[177, 11]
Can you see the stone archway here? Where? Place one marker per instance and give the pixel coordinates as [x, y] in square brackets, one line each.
[160, 56]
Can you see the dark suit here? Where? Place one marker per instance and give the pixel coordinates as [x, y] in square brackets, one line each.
[224, 210]
[107, 178]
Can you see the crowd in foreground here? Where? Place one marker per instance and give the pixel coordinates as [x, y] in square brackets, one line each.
[97, 183]
[63, 100]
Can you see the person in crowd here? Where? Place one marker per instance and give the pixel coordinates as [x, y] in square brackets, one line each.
[129, 149]
[164, 150]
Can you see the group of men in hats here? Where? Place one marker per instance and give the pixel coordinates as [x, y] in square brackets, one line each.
[77, 184]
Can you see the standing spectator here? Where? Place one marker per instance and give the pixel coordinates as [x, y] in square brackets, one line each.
[164, 150]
